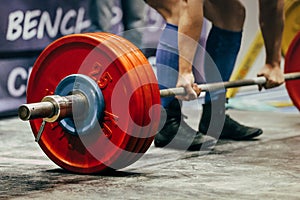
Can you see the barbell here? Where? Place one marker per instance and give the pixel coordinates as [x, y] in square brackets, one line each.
[93, 100]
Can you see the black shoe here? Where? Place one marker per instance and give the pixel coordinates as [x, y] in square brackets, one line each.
[177, 134]
[236, 131]
[231, 130]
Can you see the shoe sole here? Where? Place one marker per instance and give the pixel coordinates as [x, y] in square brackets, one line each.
[248, 137]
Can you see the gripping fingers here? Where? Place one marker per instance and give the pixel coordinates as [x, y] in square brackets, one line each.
[192, 92]
[197, 89]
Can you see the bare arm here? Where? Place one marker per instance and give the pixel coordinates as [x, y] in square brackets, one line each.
[189, 31]
[271, 23]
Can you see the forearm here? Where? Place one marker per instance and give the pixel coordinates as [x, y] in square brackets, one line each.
[190, 27]
[271, 23]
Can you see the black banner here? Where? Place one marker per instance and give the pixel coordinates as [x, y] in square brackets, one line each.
[13, 82]
[28, 26]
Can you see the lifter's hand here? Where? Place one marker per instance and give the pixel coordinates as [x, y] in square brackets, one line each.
[273, 74]
[187, 81]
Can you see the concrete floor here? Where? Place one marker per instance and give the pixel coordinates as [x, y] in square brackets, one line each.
[267, 168]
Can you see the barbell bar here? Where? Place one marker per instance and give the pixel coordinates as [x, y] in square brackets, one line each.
[228, 84]
[55, 107]
[91, 101]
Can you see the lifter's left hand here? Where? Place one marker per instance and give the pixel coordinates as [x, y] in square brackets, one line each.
[187, 81]
[273, 74]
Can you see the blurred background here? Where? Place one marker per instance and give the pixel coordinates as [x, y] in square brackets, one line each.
[27, 27]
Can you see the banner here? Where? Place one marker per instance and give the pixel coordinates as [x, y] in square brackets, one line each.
[32, 24]
[28, 26]
[13, 82]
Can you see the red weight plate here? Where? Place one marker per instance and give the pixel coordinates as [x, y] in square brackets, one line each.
[147, 77]
[292, 64]
[84, 54]
[152, 93]
[155, 113]
[152, 97]
[145, 73]
[135, 140]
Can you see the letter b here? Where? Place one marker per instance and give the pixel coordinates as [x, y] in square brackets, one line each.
[14, 30]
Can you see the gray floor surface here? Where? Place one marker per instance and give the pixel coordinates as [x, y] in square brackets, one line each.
[266, 168]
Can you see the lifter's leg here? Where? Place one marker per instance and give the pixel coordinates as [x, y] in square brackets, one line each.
[175, 132]
[223, 45]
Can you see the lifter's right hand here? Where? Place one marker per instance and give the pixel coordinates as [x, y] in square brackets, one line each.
[273, 74]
